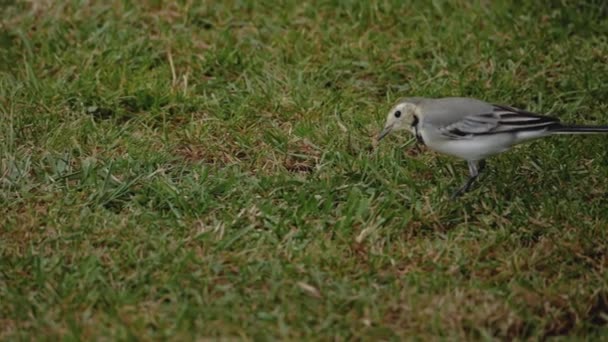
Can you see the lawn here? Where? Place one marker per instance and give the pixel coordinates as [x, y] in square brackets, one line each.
[198, 170]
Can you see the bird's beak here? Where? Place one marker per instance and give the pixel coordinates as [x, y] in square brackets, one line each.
[384, 132]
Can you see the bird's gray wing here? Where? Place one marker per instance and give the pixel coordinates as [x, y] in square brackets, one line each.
[463, 118]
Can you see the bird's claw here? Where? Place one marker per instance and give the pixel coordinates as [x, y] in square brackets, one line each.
[459, 192]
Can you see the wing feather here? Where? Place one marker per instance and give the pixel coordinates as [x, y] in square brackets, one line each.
[502, 119]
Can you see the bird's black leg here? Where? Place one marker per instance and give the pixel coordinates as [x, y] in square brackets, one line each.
[475, 169]
[481, 166]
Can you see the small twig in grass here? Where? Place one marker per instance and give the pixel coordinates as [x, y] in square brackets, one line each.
[309, 289]
[172, 66]
[186, 83]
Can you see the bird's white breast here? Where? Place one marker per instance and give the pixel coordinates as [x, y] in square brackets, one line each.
[475, 148]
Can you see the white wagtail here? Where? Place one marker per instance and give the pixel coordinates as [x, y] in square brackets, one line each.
[471, 129]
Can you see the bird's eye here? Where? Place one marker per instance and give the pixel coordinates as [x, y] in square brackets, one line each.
[397, 113]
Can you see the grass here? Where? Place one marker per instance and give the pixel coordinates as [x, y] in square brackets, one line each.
[196, 170]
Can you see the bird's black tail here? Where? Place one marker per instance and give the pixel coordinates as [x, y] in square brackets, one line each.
[575, 129]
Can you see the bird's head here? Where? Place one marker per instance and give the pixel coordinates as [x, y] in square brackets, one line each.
[402, 116]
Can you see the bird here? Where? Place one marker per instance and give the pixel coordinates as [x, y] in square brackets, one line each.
[472, 129]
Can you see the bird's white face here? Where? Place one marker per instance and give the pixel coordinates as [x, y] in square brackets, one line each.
[401, 116]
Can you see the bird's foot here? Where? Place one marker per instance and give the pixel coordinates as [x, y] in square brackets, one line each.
[459, 192]
[463, 189]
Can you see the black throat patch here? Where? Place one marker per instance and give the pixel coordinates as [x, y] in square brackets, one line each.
[416, 132]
